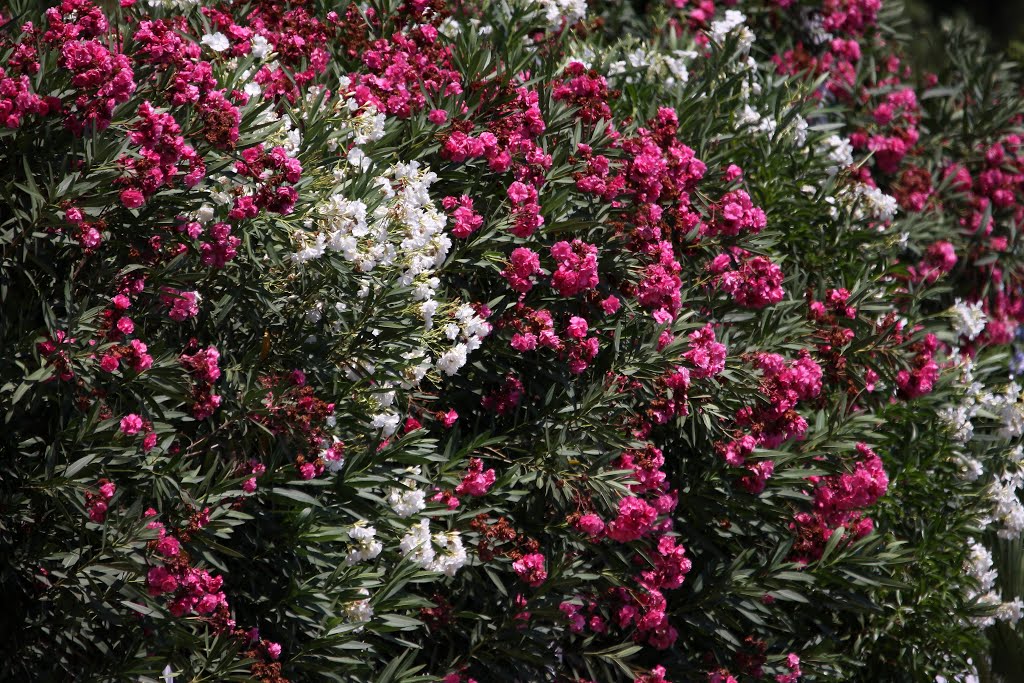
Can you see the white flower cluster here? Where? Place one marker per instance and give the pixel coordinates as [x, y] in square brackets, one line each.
[353, 124]
[405, 233]
[1009, 407]
[838, 151]
[408, 501]
[261, 47]
[969, 676]
[750, 118]
[669, 69]
[556, 10]
[799, 130]
[979, 567]
[732, 21]
[1007, 510]
[451, 27]
[358, 610]
[634, 66]
[364, 546]
[870, 203]
[447, 557]
[969, 319]
[173, 4]
[218, 42]
[387, 423]
[467, 330]
[957, 419]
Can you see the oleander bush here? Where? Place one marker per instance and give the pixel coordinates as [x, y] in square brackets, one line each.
[542, 340]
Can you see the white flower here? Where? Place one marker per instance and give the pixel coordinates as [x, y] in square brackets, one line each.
[364, 545]
[252, 89]
[674, 67]
[1009, 408]
[357, 157]
[204, 214]
[427, 310]
[971, 469]
[358, 610]
[174, 4]
[1010, 611]
[800, 131]
[406, 503]
[387, 423]
[450, 27]
[958, 421]
[556, 10]
[837, 150]
[310, 251]
[873, 203]
[416, 544]
[969, 320]
[980, 567]
[218, 42]
[168, 674]
[1007, 509]
[452, 555]
[750, 117]
[452, 360]
[732, 20]
[451, 331]
[260, 47]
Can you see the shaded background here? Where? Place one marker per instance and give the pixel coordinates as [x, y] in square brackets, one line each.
[1002, 20]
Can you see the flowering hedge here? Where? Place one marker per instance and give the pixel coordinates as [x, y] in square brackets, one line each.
[544, 340]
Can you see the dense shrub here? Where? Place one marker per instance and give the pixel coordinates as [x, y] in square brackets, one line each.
[487, 341]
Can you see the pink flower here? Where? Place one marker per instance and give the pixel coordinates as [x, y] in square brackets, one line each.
[132, 199]
[577, 328]
[448, 419]
[753, 282]
[168, 546]
[571, 611]
[523, 264]
[182, 305]
[577, 267]
[109, 362]
[160, 581]
[706, 354]
[131, 424]
[476, 482]
[590, 524]
[636, 518]
[274, 650]
[520, 193]
[467, 221]
[530, 569]
[610, 305]
[437, 116]
[657, 675]
[98, 511]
